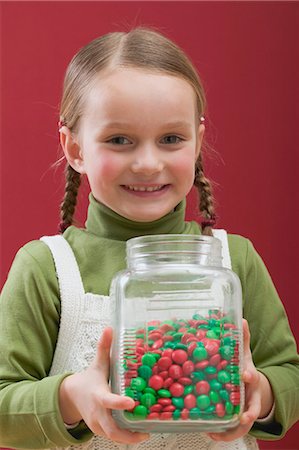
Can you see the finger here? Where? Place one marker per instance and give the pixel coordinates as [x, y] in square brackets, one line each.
[102, 358]
[230, 435]
[253, 407]
[246, 337]
[114, 401]
[116, 434]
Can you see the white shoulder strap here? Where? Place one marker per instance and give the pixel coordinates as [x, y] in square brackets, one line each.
[67, 270]
[222, 236]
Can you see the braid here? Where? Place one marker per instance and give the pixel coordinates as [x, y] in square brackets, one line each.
[67, 208]
[206, 205]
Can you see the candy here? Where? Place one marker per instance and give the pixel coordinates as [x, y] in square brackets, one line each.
[183, 369]
[156, 382]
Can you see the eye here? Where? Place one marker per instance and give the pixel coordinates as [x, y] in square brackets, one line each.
[119, 140]
[171, 139]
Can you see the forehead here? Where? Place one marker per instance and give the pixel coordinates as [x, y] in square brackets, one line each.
[136, 93]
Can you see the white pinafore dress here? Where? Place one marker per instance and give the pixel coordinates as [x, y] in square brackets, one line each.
[84, 315]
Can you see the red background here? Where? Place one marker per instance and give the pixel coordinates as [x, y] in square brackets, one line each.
[246, 53]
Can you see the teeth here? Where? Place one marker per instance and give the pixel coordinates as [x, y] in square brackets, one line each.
[145, 189]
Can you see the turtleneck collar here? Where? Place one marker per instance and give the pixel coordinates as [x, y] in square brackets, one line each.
[105, 223]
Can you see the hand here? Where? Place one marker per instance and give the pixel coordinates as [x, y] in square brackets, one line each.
[258, 395]
[87, 395]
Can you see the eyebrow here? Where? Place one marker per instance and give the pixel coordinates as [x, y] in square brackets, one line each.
[176, 124]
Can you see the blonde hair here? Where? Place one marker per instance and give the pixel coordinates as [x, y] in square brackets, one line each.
[139, 48]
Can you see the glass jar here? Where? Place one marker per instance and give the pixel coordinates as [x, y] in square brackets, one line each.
[177, 345]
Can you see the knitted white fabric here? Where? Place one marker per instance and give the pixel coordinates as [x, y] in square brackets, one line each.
[83, 318]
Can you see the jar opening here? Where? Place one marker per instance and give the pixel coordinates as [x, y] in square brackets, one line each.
[174, 248]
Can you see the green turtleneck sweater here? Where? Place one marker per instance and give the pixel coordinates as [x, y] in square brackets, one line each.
[29, 322]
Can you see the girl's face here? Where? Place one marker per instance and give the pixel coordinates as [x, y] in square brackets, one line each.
[138, 140]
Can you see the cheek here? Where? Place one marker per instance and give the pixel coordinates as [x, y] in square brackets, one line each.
[184, 164]
[106, 168]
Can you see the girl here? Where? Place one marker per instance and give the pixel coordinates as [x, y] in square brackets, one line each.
[132, 122]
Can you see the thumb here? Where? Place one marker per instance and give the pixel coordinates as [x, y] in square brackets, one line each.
[102, 357]
[246, 338]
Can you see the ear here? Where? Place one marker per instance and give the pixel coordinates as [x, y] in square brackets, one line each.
[199, 139]
[71, 149]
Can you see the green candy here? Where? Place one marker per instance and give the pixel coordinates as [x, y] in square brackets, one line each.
[194, 413]
[229, 408]
[203, 401]
[223, 376]
[145, 372]
[148, 359]
[214, 397]
[164, 393]
[232, 368]
[210, 370]
[211, 334]
[226, 352]
[237, 409]
[192, 330]
[188, 389]
[235, 378]
[140, 412]
[179, 345]
[138, 384]
[178, 402]
[215, 385]
[169, 344]
[148, 400]
[198, 376]
[199, 354]
[149, 390]
[210, 409]
[176, 414]
[178, 336]
[129, 392]
[224, 394]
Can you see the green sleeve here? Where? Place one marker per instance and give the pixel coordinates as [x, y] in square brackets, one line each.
[29, 319]
[273, 345]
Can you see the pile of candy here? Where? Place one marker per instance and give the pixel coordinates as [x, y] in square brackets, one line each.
[184, 369]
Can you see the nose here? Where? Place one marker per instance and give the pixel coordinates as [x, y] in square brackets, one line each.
[147, 160]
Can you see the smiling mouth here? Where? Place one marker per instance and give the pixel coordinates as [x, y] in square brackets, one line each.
[155, 188]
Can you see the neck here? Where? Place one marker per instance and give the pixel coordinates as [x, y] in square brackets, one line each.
[104, 222]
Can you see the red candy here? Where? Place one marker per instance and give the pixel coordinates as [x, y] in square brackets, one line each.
[202, 387]
[220, 410]
[191, 348]
[158, 344]
[156, 382]
[156, 408]
[153, 415]
[190, 401]
[176, 389]
[164, 402]
[164, 362]
[168, 382]
[185, 381]
[184, 414]
[201, 365]
[179, 356]
[188, 367]
[169, 408]
[167, 353]
[212, 347]
[175, 371]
